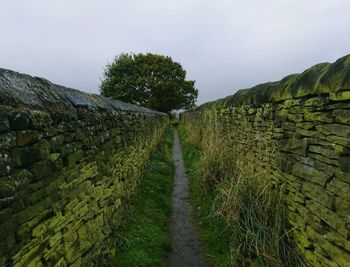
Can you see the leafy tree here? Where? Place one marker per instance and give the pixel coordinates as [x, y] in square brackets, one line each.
[149, 80]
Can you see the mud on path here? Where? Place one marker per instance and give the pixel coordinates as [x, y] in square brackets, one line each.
[186, 251]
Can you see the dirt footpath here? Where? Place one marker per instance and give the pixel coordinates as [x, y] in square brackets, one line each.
[186, 251]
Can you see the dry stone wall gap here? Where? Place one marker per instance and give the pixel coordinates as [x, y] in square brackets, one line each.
[303, 124]
[69, 163]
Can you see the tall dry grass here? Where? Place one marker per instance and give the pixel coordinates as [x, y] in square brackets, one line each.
[235, 168]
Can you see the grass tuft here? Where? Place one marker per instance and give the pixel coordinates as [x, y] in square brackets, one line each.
[241, 216]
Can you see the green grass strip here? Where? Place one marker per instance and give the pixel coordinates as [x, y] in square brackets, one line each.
[145, 241]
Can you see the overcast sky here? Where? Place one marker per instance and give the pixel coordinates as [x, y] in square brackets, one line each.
[224, 45]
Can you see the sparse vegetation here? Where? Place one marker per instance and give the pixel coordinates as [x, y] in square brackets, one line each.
[241, 216]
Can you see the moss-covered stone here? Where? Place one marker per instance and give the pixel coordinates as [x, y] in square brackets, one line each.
[329, 216]
[342, 115]
[306, 125]
[335, 129]
[338, 140]
[343, 176]
[75, 157]
[297, 146]
[319, 116]
[40, 119]
[291, 103]
[316, 102]
[21, 121]
[339, 188]
[7, 140]
[323, 159]
[14, 182]
[41, 150]
[57, 142]
[328, 153]
[21, 157]
[41, 169]
[340, 96]
[337, 239]
[312, 133]
[26, 137]
[319, 194]
[310, 173]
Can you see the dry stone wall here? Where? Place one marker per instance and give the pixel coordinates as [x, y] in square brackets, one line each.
[69, 163]
[297, 130]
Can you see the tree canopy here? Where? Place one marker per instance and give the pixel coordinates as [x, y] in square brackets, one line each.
[149, 80]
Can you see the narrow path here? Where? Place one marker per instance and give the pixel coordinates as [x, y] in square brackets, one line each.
[186, 251]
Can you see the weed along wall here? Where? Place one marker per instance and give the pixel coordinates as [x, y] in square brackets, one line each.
[69, 163]
[295, 132]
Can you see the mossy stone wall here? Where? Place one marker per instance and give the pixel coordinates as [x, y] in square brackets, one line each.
[69, 163]
[298, 130]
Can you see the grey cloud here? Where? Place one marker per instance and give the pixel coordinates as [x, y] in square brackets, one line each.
[224, 45]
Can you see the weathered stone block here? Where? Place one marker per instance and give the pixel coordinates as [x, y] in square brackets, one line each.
[328, 169]
[316, 102]
[40, 119]
[338, 140]
[345, 177]
[21, 156]
[339, 188]
[310, 173]
[342, 115]
[328, 153]
[323, 159]
[57, 142]
[291, 103]
[337, 239]
[319, 194]
[295, 117]
[7, 140]
[61, 263]
[342, 150]
[318, 116]
[308, 219]
[307, 133]
[335, 129]
[342, 206]
[344, 163]
[329, 216]
[75, 157]
[41, 150]
[41, 169]
[10, 184]
[340, 96]
[306, 125]
[297, 146]
[21, 121]
[26, 137]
